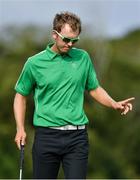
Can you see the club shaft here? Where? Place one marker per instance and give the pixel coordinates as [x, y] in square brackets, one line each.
[20, 176]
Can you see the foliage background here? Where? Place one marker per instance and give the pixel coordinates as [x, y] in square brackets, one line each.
[114, 139]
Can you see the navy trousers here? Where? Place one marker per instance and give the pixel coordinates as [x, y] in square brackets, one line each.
[52, 147]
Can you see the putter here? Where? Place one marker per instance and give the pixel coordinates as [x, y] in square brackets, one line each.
[21, 160]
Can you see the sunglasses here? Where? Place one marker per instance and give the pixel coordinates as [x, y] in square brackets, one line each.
[66, 39]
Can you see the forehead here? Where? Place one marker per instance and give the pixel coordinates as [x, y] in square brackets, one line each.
[68, 32]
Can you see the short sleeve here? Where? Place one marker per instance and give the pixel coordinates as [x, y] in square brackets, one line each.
[26, 80]
[91, 81]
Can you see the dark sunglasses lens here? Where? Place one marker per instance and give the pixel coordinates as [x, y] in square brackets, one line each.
[66, 40]
[74, 41]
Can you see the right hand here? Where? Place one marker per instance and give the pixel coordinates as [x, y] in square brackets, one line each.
[20, 138]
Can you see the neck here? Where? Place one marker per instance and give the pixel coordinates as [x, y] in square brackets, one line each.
[55, 49]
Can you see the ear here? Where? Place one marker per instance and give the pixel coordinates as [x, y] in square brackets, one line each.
[54, 35]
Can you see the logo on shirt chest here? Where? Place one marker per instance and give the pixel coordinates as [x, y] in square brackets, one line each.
[73, 64]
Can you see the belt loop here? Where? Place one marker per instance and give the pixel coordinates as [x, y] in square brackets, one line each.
[77, 128]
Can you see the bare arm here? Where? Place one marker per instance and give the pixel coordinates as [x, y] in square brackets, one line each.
[103, 98]
[19, 113]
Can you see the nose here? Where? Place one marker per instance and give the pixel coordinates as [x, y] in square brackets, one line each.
[70, 43]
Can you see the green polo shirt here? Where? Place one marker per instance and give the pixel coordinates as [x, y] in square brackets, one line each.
[58, 83]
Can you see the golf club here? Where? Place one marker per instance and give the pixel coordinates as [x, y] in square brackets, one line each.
[21, 160]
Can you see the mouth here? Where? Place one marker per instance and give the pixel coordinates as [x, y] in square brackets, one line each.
[66, 48]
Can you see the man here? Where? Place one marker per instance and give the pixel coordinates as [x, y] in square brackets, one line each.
[58, 77]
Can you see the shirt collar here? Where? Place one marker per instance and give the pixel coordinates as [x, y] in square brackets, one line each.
[53, 54]
[49, 51]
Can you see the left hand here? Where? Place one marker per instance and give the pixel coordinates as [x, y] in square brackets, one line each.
[124, 106]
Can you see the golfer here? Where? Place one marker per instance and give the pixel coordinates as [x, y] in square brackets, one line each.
[58, 77]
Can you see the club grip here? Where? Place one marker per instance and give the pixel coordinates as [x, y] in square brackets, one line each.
[21, 156]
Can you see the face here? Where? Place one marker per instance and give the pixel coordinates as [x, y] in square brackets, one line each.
[65, 39]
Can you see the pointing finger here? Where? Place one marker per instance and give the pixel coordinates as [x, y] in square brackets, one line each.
[129, 99]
